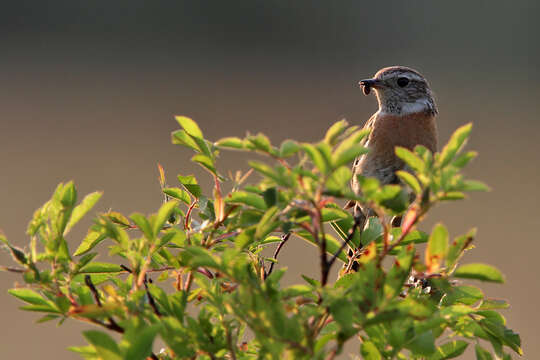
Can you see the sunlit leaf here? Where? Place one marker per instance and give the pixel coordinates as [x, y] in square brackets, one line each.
[449, 350]
[437, 248]
[230, 142]
[411, 159]
[100, 267]
[288, 148]
[105, 346]
[82, 209]
[189, 126]
[179, 194]
[190, 183]
[456, 142]
[478, 271]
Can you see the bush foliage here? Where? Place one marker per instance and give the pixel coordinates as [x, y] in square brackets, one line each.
[195, 275]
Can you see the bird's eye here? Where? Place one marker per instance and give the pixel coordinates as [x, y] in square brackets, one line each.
[402, 81]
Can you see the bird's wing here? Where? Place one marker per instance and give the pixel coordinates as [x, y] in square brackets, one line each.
[368, 125]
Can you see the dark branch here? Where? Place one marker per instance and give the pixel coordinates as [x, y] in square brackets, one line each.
[284, 239]
[151, 300]
[113, 325]
[357, 222]
[90, 284]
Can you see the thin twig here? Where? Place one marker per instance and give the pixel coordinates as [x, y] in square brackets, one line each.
[126, 268]
[93, 290]
[318, 230]
[113, 325]
[151, 300]
[347, 241]
[188, 214]
[12, 269]
[284, 239]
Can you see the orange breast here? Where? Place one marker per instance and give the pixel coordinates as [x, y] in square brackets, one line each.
[390, 131]
[407, 131]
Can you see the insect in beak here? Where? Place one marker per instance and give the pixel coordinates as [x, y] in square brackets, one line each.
[367, 84]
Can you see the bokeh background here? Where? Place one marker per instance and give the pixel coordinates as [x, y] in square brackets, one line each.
[88, 90]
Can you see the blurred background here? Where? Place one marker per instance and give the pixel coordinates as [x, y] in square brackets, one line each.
[88, 90]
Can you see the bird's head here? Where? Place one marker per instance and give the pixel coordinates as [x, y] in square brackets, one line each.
[400, 90]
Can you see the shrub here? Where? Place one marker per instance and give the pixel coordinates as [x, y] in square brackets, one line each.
[227, 300]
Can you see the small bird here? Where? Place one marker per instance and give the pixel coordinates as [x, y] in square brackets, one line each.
[406, 118]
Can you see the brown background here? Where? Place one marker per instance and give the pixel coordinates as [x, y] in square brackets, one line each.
[88, 91]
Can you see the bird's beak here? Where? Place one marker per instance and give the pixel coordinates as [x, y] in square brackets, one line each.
[367, 84]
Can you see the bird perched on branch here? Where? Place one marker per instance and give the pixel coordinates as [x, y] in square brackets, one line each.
[406, 118]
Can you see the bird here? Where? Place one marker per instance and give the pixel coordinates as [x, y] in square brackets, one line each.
[406, 117]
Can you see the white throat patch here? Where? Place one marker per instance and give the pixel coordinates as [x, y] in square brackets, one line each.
[415, 107]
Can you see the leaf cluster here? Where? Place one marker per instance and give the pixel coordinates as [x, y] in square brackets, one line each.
[196, 275]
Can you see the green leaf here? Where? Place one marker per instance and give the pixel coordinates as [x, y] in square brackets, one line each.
[316, 157]
[464, 294]
[49, 308]
[140, 342]
[456, 142]
[482, 354]
[288, 148]
[481, 272]
[17, 254]
[68, 197]
[181, 137]
[437, 248]
[410, 180]
[163, 215]
[206, 162]
[346, 156]
[259, 142]
[82, 209]
[143, 225]
[117, 218]
[344, 311]
[333, 214]
[462, 160]
[449, 350]
[86, 352]
[29, 296]
[195, 256]
[268, 171]
[393, 197]
[493, 304]
[90, 241]
[351, 141]
[230, 142]
[422, 344]
[191, 185]
[335, 131]
[270, 196]
[249, 199]
[179, 194]
[372, 231]
[105, 346]
[189, 126]
[473, 185]
[456, 249]
[99, 267]
[296, 290]
[339, 179]
[267, 223]
[410, 159]
[369, 351]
